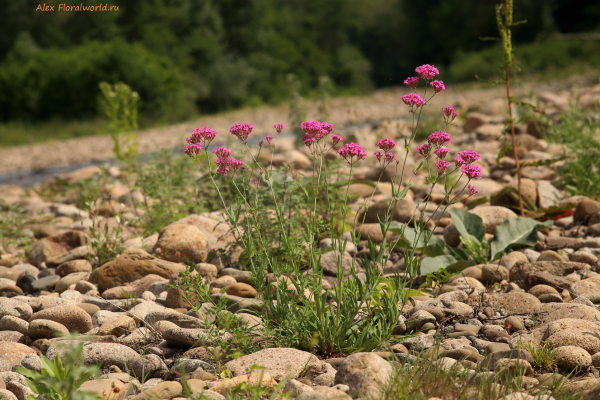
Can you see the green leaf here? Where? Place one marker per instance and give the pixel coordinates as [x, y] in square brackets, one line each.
[469, 225]
[403, 193]
[414, 292]
[408, 239]
[516, 232]
[432, 264]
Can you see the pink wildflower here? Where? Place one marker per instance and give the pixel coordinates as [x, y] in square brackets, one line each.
[203, 135]
[269, 139]
[458, 162]
[241, 131]
[279, 127]
[315, 129]
[350, 151]
[192, 150]
[427, 71]
[438, 86]
[472, 190]
[441, 152]
[424, 149]
[227, 163]
[449, 114]
[255, 182]
[222, 152]
[386, 144]
[336, 138]
[308, 141]
[412, 82]
[390, 157]
[413, 100]
[472, 171]
[439, 138]
[442, 166]
[378, 155]
[469, 156]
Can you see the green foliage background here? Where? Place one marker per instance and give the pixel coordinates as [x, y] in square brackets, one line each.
[197, 56]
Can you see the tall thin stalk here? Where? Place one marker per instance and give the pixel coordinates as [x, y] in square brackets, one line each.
[504, 19]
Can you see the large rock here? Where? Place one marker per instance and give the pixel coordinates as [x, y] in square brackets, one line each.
[572, 357]
[548, 195]
[493, 216]
[46, 329]
[54, 246]
[364, 373]
[522, 271]
[514, 303]
[131, 266]
[588, 288]
[73, 266]
[11, 354]
[217, 233]
[585, 209]
[550, 312]
[15, 308]
[106, 389]
[280, 363]
[135, 288]
[109, 354]
[72, 317]
[180, 241]
[402, 212]
[329, 265]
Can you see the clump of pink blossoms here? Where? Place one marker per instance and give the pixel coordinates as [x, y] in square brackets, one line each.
[279, 127]
[472, 190]
[386, 144]
[427, 72]
[269, 139]
[471, 171]
[458, 162]
[412, 82]
[424, 150]
[442, 166]
[439, 138]
[413, 100]
[438, 86]
[202, 135]
[442, 152]
[227, 164]
[449, 114]
[336, 138]
[469, 156]
[352, 152]
[192, 150]
[241, 131]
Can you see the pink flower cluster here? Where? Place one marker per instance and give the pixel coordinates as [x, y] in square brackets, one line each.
[471, 171]
[427, 71]
[388, 158]
[241, 131]
[439, 138]
[442, 166]
[472, 190]
[202, 135]
[269, 139]
[449, 114]
[386, 144]
[351, 151]
[438, 86]
[279, 127]
[442, 152]
[413, 100]
[192, 150]
[412, 82]
[315, 131]
[469, 156]
[424, 150]
[336, 138]
[225, 162]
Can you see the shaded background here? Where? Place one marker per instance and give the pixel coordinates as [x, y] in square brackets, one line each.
[191, 57]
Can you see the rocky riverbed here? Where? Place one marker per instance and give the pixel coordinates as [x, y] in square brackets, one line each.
[487, 320]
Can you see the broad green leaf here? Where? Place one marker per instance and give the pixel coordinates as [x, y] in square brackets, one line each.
[516, 232]
[468, 225]
[413, 292]
[410, 237]
[403, 193]
[433, 264]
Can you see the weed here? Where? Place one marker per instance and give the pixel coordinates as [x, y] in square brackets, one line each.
[106, 241]
[12, 228]
[61, 380]
[544, 356]
[120, 106]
